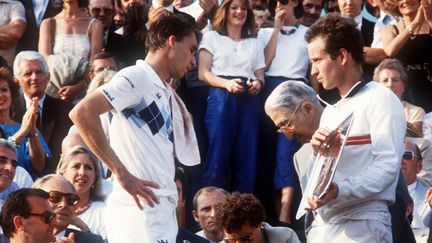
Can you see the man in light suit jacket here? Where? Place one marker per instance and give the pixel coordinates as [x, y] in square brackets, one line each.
[411, 165]
[32, 74]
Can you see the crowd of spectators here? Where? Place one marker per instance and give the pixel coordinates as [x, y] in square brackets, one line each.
[55, 54]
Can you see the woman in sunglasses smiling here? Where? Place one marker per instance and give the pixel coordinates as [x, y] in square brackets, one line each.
[81, 168]
[286, 58]
[231, 61]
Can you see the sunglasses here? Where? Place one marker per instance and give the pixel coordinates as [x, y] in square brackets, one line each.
[283, 2]
[98, 11]
[408, 155]
[47, 216]
[72, 199]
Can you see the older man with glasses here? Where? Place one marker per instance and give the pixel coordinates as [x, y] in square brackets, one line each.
[411, 165]
[27, 217]
[63, 200]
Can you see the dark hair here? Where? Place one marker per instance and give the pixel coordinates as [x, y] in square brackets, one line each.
[17, 204]
[6, 75]
[83, 3]
[103, 55]
[181, 176]
[220, 24]
[338, 32]
[167, 25]
[238, 210]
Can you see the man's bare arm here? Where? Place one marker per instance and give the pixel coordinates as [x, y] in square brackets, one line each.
[85, 116]
[11, 33]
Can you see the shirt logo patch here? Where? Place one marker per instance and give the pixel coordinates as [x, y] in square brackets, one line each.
[108, 95]
[130, 82]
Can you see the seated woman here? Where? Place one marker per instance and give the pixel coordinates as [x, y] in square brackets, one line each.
[241, 217]
[81, 168]
[32, 151]
[391, 73]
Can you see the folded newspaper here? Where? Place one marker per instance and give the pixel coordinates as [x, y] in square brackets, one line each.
[325, 164]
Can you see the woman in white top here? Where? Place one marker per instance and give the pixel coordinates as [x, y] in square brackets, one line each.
[81, 168]
[232, 63]
[73, 33]
[286, 58]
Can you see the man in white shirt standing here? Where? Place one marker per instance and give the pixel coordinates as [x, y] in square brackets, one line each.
[142, 206]
[12, 27]
[355, 207]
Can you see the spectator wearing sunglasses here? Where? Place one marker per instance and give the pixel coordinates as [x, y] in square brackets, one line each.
[241, 217]
[411, 165]
[287, 36]
[27, 216]
[63, 200]
[102, 10]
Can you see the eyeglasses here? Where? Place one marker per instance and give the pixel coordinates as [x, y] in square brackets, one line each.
[283, 2]
[98, 11]
[408, 155]
[47, 216]
[289, 124]
[100, 69]
[72, 199]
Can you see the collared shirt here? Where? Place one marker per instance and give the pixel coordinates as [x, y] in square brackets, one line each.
[39, 9]
[358, 19]
[40, 103]
[10, 11]
[384, 20]
[60, 234]
[412, 188]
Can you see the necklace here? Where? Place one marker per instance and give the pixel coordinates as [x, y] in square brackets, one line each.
[81, 210]
[410, 29]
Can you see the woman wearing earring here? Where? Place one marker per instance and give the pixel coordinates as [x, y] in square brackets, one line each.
[410, 41]
[232, 63]
[81, 168]
[286, 58]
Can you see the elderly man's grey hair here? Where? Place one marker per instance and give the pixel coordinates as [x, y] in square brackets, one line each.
[289, 94]
[28, 56]
[39, 183]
